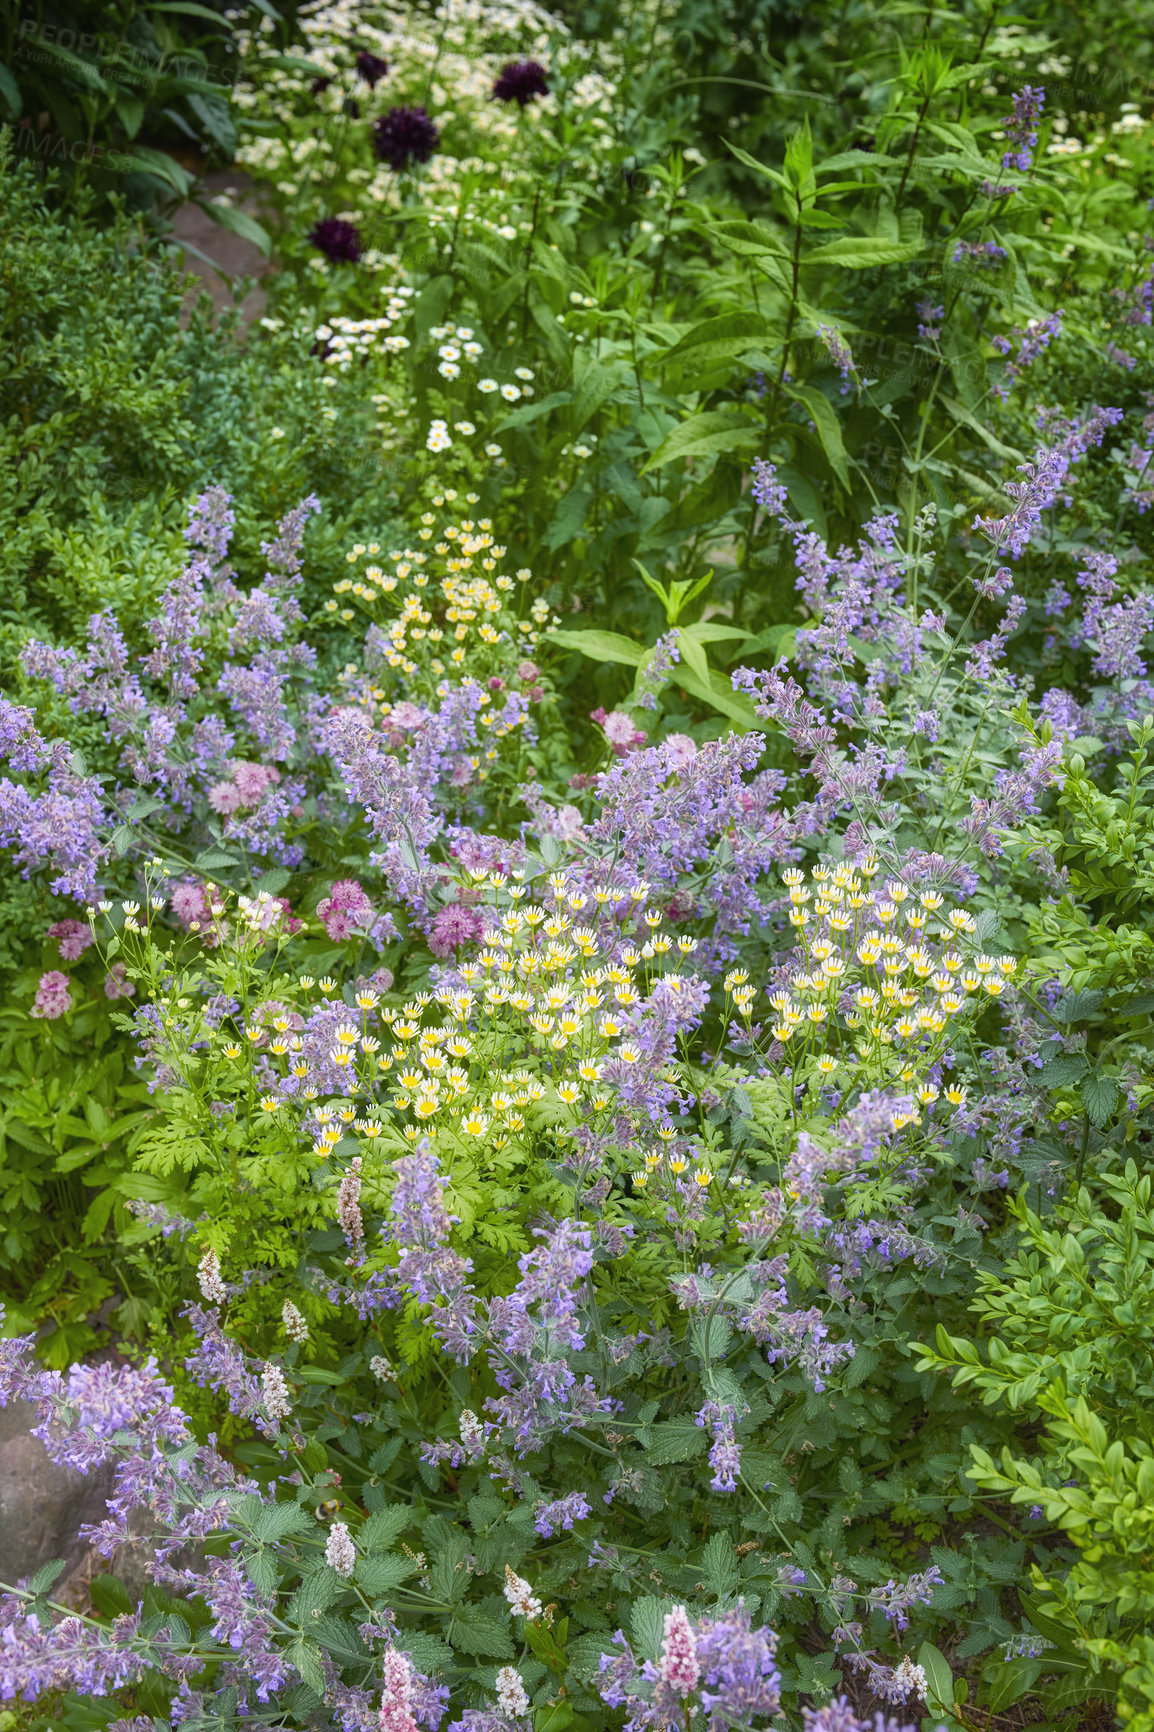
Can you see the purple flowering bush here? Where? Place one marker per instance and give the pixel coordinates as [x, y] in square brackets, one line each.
[577, 1061]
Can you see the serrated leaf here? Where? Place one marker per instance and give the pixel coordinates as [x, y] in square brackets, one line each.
[306, 1657]
[382, 1572]
[383, 1527]
[1067, 1067]
[272, 1521]
[317, 1591]
[1099, 1097]
[675, 1440]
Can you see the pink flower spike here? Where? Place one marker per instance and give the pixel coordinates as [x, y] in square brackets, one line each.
[678, 1666]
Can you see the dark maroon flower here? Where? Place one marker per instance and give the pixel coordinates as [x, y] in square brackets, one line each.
[351, 107]
[520, 82]
[403, 136]
[371, 68]
[340, 241]
[319, 86]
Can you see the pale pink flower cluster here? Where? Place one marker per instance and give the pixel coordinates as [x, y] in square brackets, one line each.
[248, 787]
[345, 910]
[349, 1218]
[53, 996]
[199, 908]
[678, 1665]
[397, 1696]
[73, 938]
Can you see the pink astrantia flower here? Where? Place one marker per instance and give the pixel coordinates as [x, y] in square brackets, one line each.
[117, 983]
[53, 996]
[73, 938]
[680, 752]
[619, 730]
[225, 798]
[452, 927]
[678, 1665]
[344, 909]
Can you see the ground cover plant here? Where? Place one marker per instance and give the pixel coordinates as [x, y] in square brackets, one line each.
[577, 819]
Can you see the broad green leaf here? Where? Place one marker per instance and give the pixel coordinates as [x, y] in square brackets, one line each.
[938, 1675]
[602, 646]
[749, 239]
[825, 419]
[160, 164]
[693, 655]
[383, 1527]
[10, 91]
[719, 695]
[703, 435]
[238, 222]
[595, 389]
[725, 335]
[862, 252]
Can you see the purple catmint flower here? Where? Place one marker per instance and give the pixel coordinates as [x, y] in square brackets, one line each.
[1022, 127]
[725, 1455]
[1031, 342]
[766, 490]
[520, 82]
[339, 240]
[987, 253]
[895, 1599]
[559, 1515]
[404, 136]
[930, 315]
[840, 354]
[1043, 482]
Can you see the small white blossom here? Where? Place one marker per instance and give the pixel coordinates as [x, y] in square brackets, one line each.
[487, 385]
[381, 1369]
[295, 1326]
[209, 1278]
[908, 1677]
[340, 1551]
[274, 1391]
[511, 1697]
[521, 1596]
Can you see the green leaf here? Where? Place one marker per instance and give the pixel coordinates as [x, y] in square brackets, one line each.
[938, 1676]
[1066, 1068]
[383, 1527]
[758, 167]
[161, 166]
[237, 222]
[1012, 1680]
[749, 240]
[46, 1575]
[702, 435]
[272, 1521]
[306, 1657]
[862, 252]
[601, 646]
[1099, 1097]
[825, 419]
[675, 1440]
[693, 655]
[319, 1587]
[723, 337]
[595, 389]
[10, 91]
[382, 1572]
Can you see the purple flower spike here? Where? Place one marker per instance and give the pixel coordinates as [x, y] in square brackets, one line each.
[404, 136]
[520, 82]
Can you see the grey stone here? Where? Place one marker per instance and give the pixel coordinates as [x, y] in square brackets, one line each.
[214, 256]
[42, 1506]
